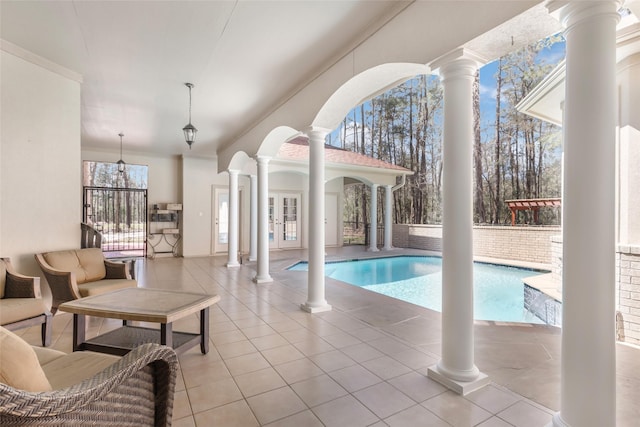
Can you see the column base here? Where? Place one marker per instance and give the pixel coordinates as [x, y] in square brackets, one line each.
[262, 279]
[390, 248]
[373, 249]
[253, 259]
[557, 421]
[233, 264]
[315, 309]
[460, 387]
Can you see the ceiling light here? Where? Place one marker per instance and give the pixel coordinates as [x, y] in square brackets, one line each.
[189, 130]
[121, 162]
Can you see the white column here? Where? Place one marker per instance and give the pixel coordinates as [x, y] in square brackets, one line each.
[262, 275]
[456, 369]
[373, 228]
[315, 283]
[253, 220]
[232, 247]
[588, 371]
[388, 236]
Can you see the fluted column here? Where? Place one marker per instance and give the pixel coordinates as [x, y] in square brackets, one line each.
[262, 274]
[373, 229]
[588, 371]
[232, 247]
[253, 218]
[457, 369]
[315, 283]
[388, 235]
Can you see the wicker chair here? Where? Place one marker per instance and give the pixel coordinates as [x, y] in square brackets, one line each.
[21, 305]
[137, 390]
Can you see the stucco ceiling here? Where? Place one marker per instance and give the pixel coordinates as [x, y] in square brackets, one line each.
[244, 57]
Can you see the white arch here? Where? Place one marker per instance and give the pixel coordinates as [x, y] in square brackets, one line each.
[364, 86]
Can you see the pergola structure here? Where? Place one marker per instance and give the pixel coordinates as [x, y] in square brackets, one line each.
[530, 205]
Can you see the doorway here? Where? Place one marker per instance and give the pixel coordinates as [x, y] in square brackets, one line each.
[284, 220]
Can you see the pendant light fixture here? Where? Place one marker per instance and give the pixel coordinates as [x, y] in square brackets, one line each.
[121, 162]
[189, 130]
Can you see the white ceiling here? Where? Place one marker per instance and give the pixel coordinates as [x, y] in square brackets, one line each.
[244, 57]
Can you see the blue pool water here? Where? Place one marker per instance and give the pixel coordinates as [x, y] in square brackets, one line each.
[498, 290]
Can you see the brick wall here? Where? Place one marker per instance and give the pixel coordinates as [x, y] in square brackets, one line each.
[531, 244]
[628, 294]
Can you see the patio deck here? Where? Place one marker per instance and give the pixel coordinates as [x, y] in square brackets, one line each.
[364, 363]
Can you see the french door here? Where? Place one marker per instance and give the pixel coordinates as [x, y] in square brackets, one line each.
[284, 220]
[220, 220]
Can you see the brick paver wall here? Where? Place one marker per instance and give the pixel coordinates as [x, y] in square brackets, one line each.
[628, 294]
[531, 244]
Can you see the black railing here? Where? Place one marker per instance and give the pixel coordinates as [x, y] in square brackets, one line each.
[120, 214]
[379, 235]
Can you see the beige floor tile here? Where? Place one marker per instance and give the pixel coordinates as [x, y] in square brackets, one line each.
[220, 327]
[368, 334]
[389, 346]
[495, 422]
[196, 375]
[275, 404]
[354, 378]
[297, 335]
[383, 399]
[181, 405]
[269, 341]
[361, 352]
[332, 360]
[227, 337]
[282, 354]
[417, 386]
[247, 363]
[212, 395]
[318, 390]
[258, 331]
[285, 326]
[493, 399]
[234, 414]
[385, 367]
[344, 411]
[235, 349]
[415, 359]
[415, 416]
[301, 419]
[457, 412]
[298, 370]
[259, 382]
[314, 345]
[522, 414]
[183, 422]
[341, 339]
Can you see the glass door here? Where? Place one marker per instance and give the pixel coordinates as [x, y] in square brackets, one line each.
[221, 220]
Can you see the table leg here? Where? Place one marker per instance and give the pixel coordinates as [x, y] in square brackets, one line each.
[166, 334]
[204, 330]
[79, 331]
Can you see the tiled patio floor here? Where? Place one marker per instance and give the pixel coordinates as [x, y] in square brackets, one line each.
[364, 363]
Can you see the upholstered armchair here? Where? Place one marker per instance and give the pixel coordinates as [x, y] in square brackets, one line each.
[21, 303]
[40, 386]
[78, 273]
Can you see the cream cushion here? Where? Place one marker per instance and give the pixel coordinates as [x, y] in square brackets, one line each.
[16, 309]
[86, 264]
[105, 285]
[19, 365]
[75, 367]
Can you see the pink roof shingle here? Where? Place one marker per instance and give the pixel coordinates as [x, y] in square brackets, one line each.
[298, 149]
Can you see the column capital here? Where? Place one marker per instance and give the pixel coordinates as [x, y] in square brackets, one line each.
[569, 13]
[375, 185]
[316, 133]
[233, 171]
[460, 61]
[262, 160]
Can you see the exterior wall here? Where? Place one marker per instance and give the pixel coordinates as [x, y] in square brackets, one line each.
[628, 294]
[530, 244]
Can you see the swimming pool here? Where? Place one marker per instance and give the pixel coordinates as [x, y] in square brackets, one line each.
[498, 289]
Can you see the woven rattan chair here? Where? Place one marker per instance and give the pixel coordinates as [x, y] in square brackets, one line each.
[136, 391]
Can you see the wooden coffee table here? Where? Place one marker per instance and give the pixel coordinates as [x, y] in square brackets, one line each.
[143, 305]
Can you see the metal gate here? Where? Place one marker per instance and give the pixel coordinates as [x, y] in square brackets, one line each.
[120, 214]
